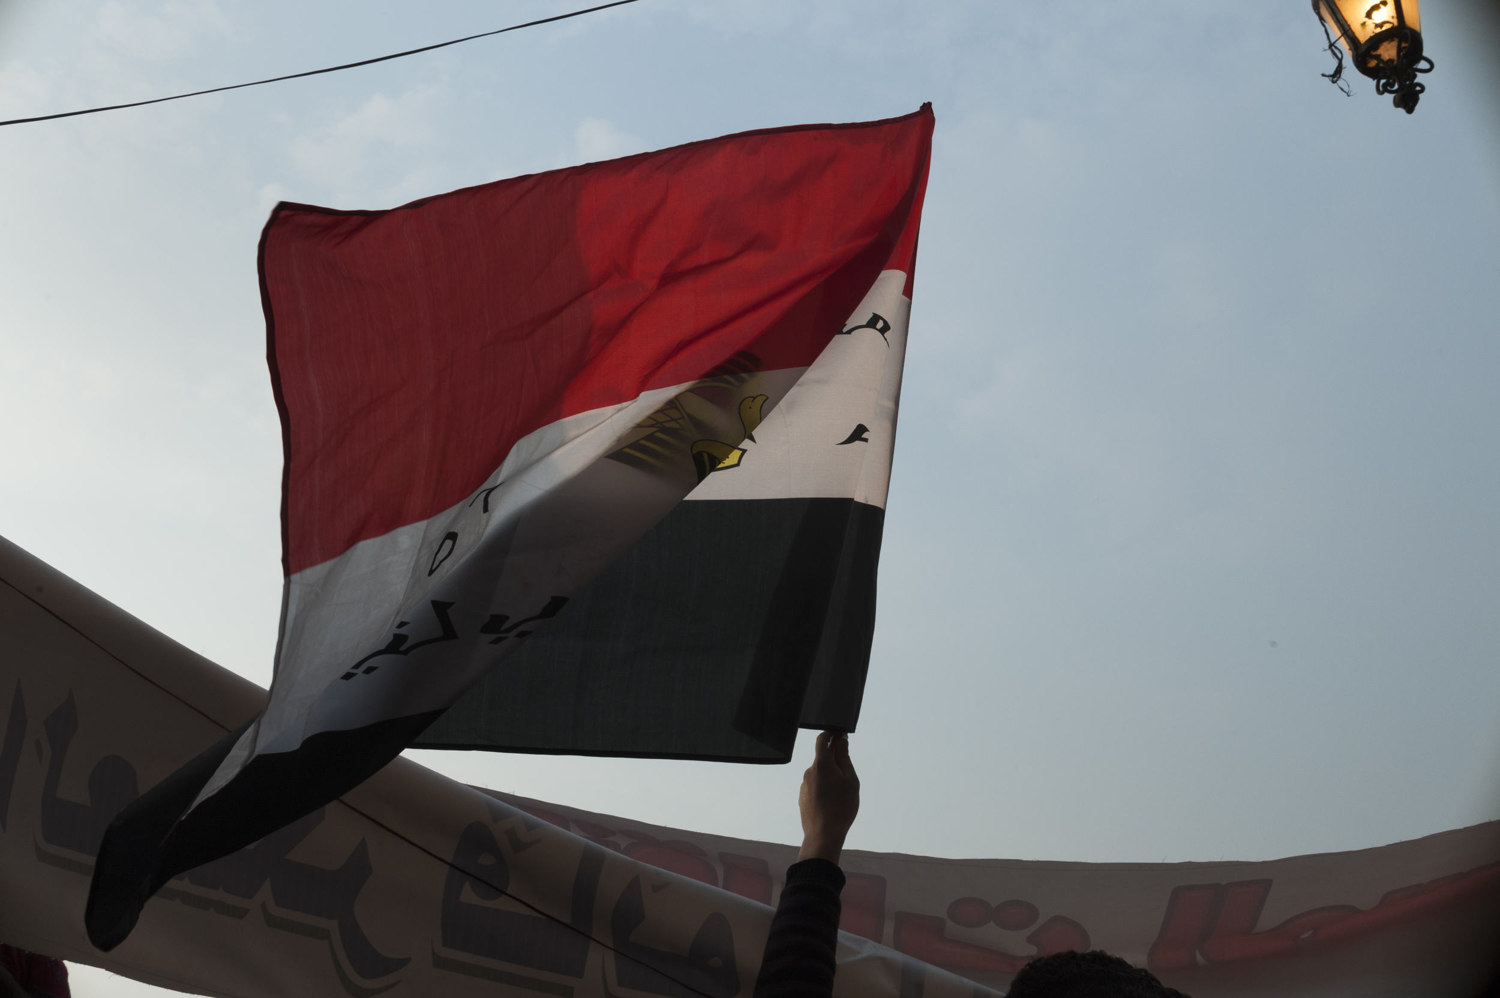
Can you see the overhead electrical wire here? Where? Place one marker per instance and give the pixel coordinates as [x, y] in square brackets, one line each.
[315, 72]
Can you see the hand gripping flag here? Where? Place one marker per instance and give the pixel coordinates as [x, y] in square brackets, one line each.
[493, 405]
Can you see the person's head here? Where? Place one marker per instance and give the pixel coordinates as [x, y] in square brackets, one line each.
[1095, 974]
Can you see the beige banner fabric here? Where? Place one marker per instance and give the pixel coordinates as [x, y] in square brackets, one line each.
[415, 885]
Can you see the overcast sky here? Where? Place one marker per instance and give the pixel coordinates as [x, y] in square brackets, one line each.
[1191, 549]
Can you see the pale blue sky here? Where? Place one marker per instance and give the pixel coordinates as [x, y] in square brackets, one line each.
[1191, 549]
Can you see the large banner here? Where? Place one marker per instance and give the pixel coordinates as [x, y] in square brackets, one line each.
[415, 885]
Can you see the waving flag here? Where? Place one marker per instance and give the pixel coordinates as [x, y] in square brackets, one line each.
[493, 404]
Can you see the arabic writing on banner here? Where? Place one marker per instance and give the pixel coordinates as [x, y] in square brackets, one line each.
[413, 884]
[478, 935]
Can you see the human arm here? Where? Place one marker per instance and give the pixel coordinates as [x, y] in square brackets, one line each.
[799, 959]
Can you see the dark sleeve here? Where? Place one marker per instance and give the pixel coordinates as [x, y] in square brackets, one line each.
[799, 958]
[23, 973]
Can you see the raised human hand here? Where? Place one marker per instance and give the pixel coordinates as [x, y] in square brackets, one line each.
[829, 798]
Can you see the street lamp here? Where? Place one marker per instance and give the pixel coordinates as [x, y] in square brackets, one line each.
[1384, 38]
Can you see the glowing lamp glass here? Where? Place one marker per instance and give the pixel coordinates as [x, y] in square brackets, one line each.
[1383, 39]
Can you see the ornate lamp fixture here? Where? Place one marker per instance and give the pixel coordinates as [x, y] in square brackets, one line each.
[1384, 38]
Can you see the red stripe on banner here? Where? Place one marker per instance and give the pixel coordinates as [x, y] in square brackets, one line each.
[411, 348]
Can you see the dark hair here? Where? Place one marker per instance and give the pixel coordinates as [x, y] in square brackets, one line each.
[1095, 974]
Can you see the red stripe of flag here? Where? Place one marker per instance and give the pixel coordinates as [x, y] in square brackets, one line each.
[411, 348]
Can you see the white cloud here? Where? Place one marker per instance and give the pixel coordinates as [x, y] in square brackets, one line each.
[355, 149]
[22, 91]
[596, 139]
[593, 140]
[35, 382]
[171, 31]
[268, 197]
[761, 17]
